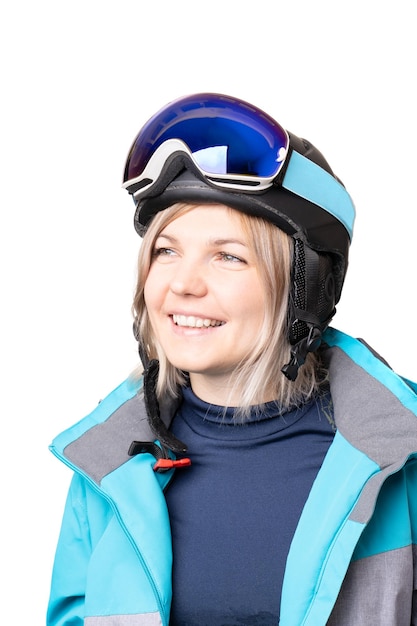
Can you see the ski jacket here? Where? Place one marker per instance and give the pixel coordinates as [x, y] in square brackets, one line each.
[352, 561]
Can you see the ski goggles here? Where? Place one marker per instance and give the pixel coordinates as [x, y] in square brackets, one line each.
[233, 145]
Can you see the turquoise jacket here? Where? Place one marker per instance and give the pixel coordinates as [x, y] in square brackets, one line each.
[352, 559]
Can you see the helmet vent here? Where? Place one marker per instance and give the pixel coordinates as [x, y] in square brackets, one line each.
[299, 328]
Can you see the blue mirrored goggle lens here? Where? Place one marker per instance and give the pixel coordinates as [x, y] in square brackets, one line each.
[224, 135]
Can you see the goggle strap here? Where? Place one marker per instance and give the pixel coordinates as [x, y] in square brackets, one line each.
[311, 182]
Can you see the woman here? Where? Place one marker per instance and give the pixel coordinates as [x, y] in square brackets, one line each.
[262, 468]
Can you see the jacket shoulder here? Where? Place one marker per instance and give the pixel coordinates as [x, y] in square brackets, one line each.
[99, 442]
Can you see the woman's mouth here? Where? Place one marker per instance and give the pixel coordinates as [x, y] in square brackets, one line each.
[191, 321]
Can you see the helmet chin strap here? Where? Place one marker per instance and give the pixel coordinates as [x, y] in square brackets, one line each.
[165, 437]
[150, 379]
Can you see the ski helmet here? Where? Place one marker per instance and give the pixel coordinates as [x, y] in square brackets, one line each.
[213, 148]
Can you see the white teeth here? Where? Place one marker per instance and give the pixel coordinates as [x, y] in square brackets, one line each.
[194, 322]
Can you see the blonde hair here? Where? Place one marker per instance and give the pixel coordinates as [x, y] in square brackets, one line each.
[259, 375]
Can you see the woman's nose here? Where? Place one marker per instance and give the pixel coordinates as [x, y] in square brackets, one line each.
[188, 279]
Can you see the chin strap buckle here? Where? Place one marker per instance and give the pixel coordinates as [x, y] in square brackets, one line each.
[299, 352]
[164, 463]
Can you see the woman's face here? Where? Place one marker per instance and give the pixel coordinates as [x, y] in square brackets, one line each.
[204, 297]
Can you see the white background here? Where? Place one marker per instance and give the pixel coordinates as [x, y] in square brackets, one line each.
[78, 80]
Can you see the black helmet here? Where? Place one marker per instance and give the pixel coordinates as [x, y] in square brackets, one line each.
[212, 148]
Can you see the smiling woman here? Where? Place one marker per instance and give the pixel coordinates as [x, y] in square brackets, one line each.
[204, 279]
[201, 260]
[254, 467]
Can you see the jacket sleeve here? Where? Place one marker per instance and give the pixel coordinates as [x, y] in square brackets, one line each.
[66, 602]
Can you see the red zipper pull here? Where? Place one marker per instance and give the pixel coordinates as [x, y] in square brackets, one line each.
[163, 465]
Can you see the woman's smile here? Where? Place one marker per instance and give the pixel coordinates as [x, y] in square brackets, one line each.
[192, 321]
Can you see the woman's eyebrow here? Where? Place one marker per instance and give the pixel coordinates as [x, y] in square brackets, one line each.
[218, 241]
[225, 241]
[168, 237]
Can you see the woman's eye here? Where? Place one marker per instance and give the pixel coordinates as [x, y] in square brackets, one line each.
[161, 252]
[231, 258]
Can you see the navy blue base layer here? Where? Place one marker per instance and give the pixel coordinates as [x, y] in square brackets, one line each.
[234, 511]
